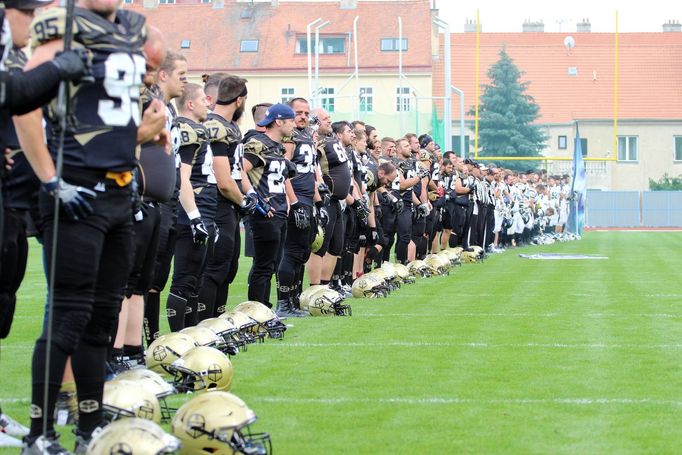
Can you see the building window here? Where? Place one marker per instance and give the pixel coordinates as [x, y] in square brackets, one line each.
[392, 44]
[166, 2]
[366, 99]
[128, 2]
[206, 1]
[402, 102]
[287, 94]
[628, 149]
[327, 45]
[563, 143]
[678, 148]
[184, 44]
[248, 45]
[327, 98]
[583, 146]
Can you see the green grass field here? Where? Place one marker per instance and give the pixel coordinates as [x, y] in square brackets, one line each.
[508, 356]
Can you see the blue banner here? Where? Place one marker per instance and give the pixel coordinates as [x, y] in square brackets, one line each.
[576, 217]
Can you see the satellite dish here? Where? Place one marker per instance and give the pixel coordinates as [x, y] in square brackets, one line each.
[569, 43]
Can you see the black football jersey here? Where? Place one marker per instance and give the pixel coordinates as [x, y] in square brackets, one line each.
[226, 140]
[20, 183]
[305, 159]
[408, 169]
[106, 112]
[195, 150]
[269, 171]
[334, 165]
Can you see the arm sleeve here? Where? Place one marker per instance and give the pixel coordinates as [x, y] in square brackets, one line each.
[24, 92]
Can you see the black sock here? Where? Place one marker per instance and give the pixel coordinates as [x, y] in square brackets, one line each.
[57, 364]
[89, 371]
[191, 311]
[152, 306]
[175, 310]
[130, 350]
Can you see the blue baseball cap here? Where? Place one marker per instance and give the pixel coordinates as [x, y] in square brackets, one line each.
[277, 111]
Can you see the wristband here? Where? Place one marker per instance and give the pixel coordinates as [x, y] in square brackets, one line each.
[194, 214]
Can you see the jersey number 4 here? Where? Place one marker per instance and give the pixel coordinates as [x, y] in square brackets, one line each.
[122, 80]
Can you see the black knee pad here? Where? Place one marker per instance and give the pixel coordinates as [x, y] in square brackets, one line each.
[7, 305]
[69, 326]
[102, 325]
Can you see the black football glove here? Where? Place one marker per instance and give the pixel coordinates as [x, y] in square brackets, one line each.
[74, 65]
[373, 236]
[301, 215]
[199, 231]
[325, 193]
[377, 212]
[322, 214]
[71, 197]
[249, 204]
[422, 210]
[361, 211]
[396, 203]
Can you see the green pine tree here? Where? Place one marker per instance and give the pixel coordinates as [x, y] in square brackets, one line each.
[506, 116]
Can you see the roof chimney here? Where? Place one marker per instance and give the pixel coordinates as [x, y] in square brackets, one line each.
[672, 26]
[533, 26]
[584, 26]
[348, 4]
[470, 26]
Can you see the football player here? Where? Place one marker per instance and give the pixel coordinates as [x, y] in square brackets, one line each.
[406, 249]
[300, 151]
[94, 242]
[268, 171]
[226, 144]
[171, 79]
[198, 199]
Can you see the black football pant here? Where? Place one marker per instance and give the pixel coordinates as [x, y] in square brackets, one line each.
[268, 241]
[92, 263]
[388, 224]
[333, 232]
[418, 231]
[295, 254]
[404, 231]
[469, 221]
[188, 267]
[223, 264]
[481, 223]
[13, 255]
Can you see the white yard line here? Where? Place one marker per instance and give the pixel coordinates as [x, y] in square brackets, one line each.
[475, 401]
[428, 344]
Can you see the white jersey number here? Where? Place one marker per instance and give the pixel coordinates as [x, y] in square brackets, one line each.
[122, 80]
[276, 177]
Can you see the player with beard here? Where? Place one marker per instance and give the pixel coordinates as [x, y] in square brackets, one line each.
[228, 150]
[389, 200]
[297, 246]
[269, 172]
[195, 227]
[94, 242]
[171, 79]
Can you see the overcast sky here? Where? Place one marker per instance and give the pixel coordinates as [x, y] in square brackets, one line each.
[561, 15]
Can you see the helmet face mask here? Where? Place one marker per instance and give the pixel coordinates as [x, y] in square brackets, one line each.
[244, 324]
[200, 369]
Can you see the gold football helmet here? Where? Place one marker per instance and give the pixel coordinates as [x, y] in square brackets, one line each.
[154, 383]
[369, 285]
[318, 240]
[268, 322]
[218, 423]
[403, 273]
[452, 255]
[419, 268]
[202, 368]
[244, 323]
[166, 349]
[328, 302]
[124, 398]
[438, 264]
[475, 255]
[228, 332]
[203, 336]
[304, 298]
[390, 275]
[133, 436]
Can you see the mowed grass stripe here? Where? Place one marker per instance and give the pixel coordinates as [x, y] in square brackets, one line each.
[508, 356]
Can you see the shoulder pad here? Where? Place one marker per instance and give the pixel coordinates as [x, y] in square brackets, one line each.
[253, 146]
[288, 140]
[16, 59]
[216, 130]
[48, 26]
[188, 135]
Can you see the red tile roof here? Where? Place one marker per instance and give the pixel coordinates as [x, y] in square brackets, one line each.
[215, 34]
[649, 74]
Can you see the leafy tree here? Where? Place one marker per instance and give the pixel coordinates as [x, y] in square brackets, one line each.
[506, 116]
[666, 183]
